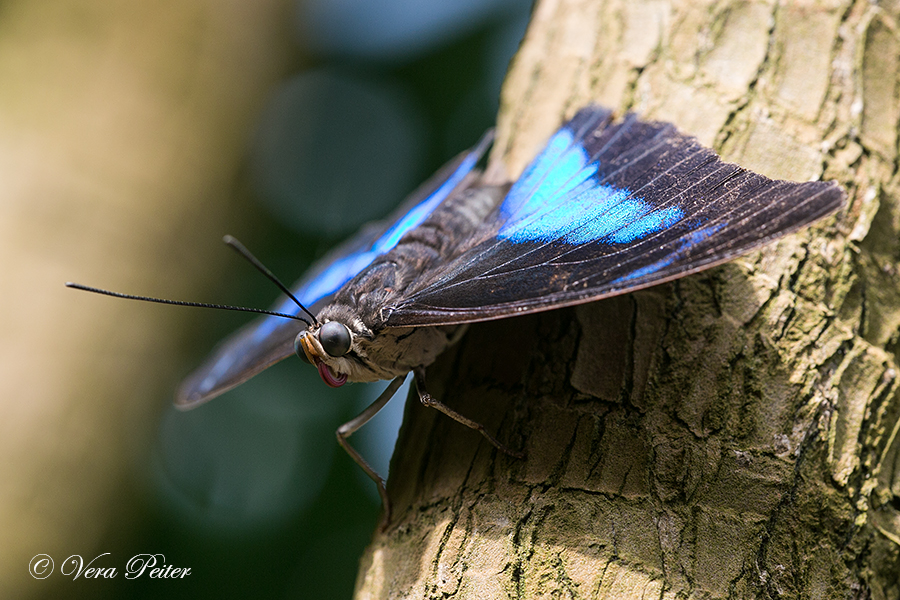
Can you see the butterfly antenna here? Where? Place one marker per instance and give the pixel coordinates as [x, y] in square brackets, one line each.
[242, 250]
[85, 288]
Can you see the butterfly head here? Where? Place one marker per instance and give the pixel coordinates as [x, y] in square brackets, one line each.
[325, 346]
[343, 347]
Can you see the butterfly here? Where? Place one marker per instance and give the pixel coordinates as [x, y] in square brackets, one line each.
[607, 207]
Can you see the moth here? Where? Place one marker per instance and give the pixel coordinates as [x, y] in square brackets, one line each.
[607, 207]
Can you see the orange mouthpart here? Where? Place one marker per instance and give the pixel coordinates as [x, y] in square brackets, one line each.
[325, 372]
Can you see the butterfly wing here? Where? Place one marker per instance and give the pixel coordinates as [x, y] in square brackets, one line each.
[609, 207]
[270, 339]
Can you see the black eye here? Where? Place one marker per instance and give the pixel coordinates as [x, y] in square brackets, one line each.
[298, 348]
[335, 338]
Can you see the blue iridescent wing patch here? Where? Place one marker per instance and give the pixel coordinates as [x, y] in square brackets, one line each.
[609, 207]
[268, 340]
[559, 198]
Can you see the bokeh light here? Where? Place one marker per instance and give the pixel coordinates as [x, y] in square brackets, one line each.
[334, 151]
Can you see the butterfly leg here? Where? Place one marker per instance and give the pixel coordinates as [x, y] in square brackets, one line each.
[350, 427]
[430, 401]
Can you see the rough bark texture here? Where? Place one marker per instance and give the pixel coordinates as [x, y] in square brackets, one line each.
[732, 434]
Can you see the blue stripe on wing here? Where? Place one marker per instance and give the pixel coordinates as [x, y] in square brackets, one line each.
[559, 199]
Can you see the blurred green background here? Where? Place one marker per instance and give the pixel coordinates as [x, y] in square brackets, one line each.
[132, 137]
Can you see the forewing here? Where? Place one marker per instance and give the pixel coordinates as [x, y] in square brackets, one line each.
[270, 339]
[606, 208]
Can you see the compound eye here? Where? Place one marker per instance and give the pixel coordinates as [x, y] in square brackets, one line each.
[335, 338]
[298, 347]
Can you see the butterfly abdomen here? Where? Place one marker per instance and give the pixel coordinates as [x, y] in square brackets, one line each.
[451, 229]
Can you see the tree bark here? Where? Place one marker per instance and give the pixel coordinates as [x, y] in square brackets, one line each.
[731, 434]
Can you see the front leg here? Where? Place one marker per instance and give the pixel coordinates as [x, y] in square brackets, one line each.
[348, 428]
[430, 401]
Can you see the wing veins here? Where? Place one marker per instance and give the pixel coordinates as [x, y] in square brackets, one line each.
[660, 138]
[737, 172]
[649, 239]
[540, 214]
[721, 218]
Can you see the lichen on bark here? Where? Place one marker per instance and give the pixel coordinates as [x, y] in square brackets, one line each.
[733, 434]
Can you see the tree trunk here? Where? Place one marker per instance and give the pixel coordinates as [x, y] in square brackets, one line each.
[731, 434]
